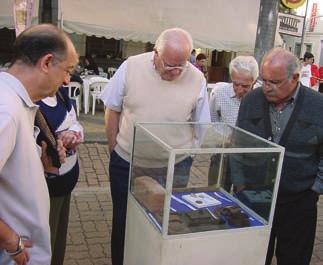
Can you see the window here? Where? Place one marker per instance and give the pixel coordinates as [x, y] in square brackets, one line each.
[307, 48]
[297, 50]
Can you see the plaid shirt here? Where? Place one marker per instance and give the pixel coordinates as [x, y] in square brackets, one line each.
[224, 105]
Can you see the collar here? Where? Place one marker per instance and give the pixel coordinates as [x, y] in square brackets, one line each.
[152, 59]
[291, 99]
[295, 94]
[18, 87]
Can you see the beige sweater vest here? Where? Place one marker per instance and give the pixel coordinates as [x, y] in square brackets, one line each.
[148, 98]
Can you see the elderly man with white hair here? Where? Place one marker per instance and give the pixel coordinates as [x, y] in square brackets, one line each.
[158, 86]
[226, 97]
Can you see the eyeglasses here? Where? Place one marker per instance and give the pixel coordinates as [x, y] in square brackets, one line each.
[169, 67]
[273, 83]
[244, 86]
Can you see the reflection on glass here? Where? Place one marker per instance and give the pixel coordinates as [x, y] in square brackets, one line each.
[191, 178]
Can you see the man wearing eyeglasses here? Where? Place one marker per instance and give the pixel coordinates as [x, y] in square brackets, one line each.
[288, 113]
[158, 86]
[226, 97]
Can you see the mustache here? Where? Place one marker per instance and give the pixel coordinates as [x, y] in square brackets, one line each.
[269, 92]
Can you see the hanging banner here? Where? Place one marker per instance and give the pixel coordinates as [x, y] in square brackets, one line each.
[313, 17]
[290, 24]
[23, 12]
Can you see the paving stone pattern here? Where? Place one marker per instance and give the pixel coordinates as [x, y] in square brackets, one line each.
[88, 241]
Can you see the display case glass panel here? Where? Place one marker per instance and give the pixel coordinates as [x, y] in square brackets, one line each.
[190, 177]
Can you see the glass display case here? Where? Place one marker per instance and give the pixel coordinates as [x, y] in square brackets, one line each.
[192, 185]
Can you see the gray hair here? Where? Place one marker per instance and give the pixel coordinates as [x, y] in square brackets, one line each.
[172, 35]
[292, 62]
[245, 65]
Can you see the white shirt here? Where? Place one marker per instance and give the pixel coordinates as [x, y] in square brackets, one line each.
[224, 105]
[113, 94]
[71, 123]
[24, 199]
[306, 74]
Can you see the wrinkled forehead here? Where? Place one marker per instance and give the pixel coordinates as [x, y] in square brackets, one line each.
[175, 54]
[275, 62]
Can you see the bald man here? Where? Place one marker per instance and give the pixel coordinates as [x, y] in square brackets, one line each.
[288, 113]
[157, 86]
[43, 57]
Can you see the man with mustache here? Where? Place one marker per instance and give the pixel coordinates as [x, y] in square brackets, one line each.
[288, 113]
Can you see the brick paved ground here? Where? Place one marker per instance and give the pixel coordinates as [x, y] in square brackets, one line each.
[91, 212]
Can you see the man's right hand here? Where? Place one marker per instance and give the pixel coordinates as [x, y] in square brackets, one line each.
[23, 257]
[10, 241]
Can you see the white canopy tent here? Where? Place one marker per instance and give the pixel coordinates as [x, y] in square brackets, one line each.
[7, 17]
[215, 24]
[6, 14]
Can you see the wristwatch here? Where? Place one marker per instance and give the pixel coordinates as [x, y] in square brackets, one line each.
[20, 248]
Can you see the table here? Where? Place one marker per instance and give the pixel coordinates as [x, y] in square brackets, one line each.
[87, 81]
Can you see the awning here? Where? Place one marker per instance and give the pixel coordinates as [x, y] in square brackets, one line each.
[6, 13]
[221, 24]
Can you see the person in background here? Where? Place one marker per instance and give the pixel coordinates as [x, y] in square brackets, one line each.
[200, 63]
[309, 72]
[315, 77]
[43, 56]
[286, 112]
[193, 56]
[321, 79]
[75, 77]
[61, 117]
[226, 97]
[162, 76]
[90, 65]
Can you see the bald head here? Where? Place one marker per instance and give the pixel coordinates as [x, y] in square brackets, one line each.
[176, 39]
[172, 50]
[37, 41]
[280, 56]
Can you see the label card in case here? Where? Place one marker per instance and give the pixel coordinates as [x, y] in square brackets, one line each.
[201, 199]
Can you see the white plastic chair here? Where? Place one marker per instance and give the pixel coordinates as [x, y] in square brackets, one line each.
[111, 71]
[103, 74]
[74, 92]
[96, 89]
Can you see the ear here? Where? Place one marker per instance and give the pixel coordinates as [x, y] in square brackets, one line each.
[46, 62]
[296, 77]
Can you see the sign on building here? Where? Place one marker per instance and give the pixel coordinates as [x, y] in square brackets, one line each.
[293, 3]
[290, 24]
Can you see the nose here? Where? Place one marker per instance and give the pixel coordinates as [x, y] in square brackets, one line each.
[67, 79]
[176, 71]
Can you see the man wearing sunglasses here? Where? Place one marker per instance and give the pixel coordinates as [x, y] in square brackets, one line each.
[158, 86]
[288, 113]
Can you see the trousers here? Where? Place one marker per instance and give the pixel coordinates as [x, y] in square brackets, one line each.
[293, 231]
